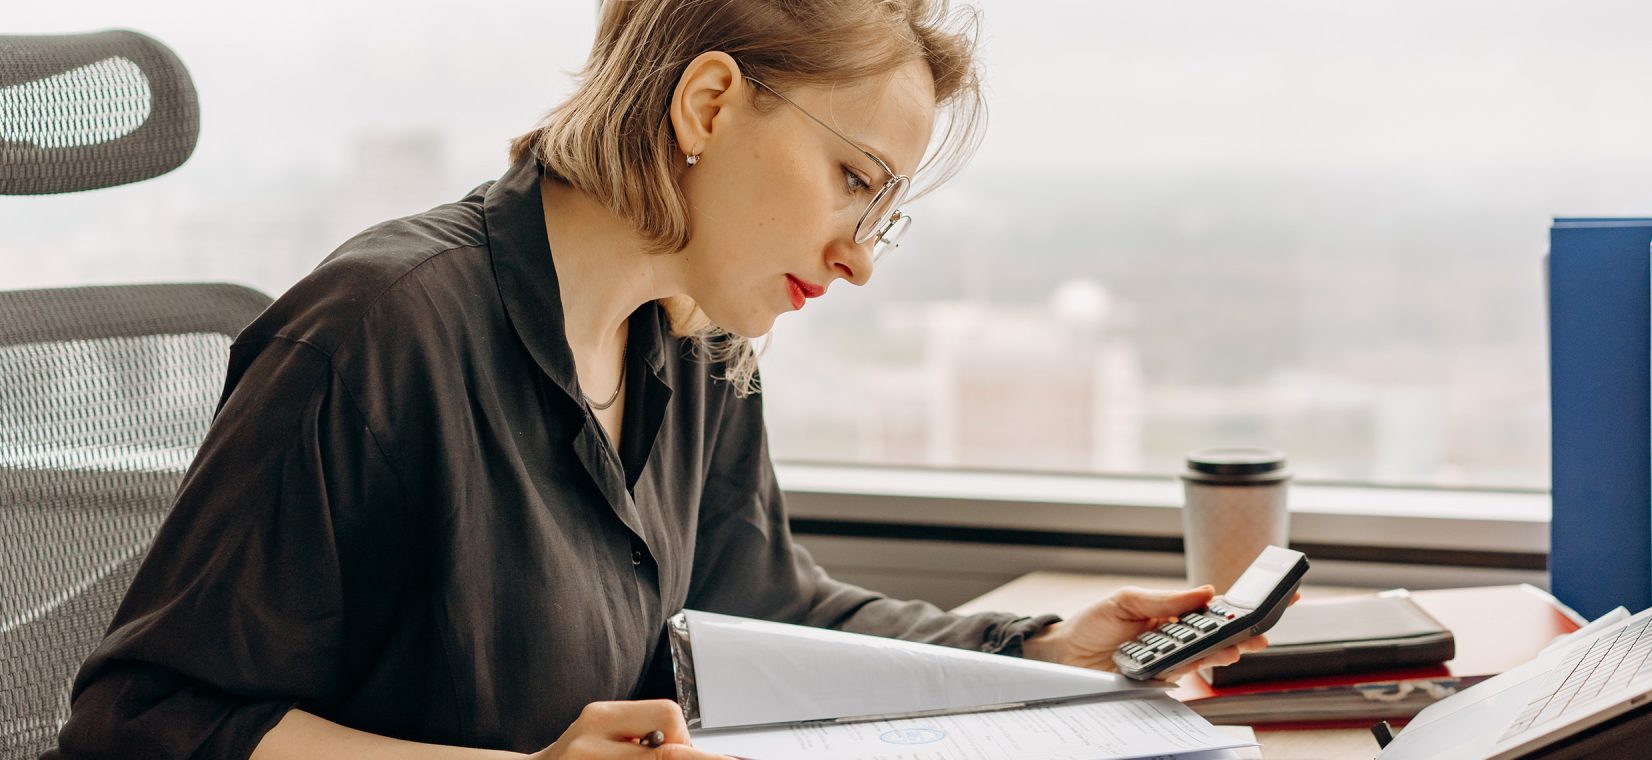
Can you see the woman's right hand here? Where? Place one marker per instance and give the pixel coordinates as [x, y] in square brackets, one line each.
[614, 729]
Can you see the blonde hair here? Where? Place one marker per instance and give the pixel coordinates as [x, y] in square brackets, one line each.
[613, 141]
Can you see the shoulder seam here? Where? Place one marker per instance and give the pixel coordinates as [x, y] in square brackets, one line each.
[374, 301]
[367, 424]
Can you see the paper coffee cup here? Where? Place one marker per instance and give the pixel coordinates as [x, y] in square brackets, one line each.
[1235, 507]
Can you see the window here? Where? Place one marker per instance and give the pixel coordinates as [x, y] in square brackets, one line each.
[318, 119]
[1193, 223]
[1312, 226]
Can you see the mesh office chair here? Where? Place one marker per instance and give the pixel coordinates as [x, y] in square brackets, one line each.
[105, 392]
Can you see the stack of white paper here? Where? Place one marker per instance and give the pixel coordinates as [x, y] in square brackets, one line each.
[769, 691]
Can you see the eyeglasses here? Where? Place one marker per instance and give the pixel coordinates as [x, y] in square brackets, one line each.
[882, 221]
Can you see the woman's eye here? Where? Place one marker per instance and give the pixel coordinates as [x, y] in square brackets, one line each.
[855, 183]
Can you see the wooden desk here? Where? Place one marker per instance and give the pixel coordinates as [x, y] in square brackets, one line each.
[1067, 593]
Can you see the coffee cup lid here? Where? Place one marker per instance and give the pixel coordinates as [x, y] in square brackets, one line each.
[1236, 465]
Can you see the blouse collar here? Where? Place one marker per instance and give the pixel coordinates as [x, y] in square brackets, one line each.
[528, 286]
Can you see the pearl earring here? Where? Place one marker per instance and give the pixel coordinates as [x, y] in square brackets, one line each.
[693, 159]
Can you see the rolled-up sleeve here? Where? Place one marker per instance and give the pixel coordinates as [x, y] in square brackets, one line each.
[237, 614]
[747, 564]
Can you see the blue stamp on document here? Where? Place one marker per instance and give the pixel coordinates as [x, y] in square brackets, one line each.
[913, 736]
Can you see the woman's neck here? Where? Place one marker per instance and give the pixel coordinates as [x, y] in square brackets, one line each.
[603, 268]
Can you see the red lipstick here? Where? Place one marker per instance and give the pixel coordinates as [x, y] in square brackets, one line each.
[801, 290]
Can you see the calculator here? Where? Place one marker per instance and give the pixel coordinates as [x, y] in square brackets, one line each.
[1251, 606]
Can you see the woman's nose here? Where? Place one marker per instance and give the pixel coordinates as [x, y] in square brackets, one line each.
[851, 261]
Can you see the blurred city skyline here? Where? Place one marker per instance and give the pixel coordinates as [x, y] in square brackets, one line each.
[1191, 223]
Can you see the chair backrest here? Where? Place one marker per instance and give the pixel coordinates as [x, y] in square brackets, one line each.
[84, 111]
[105, 393]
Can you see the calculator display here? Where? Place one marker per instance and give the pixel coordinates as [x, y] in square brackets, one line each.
[1253, 586]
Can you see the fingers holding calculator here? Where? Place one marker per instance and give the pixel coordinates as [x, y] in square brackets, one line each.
[1224, 627]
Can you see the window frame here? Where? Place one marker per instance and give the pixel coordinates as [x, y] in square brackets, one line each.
[1446, 533]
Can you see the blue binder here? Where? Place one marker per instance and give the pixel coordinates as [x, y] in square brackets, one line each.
[1600, 379]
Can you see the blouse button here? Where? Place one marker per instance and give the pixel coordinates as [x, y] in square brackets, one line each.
[636, 557]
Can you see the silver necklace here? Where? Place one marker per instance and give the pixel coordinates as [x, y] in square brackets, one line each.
[611, 399]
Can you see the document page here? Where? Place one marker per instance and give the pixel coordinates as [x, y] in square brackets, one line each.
[1085, 730]
[754, 672]
[1475, 722]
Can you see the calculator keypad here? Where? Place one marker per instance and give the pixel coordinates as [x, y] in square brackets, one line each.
[1139, 653]
[1153, 645]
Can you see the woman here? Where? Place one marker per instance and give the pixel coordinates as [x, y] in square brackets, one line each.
[464, 470]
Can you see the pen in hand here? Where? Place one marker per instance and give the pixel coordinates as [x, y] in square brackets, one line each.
[656, 738]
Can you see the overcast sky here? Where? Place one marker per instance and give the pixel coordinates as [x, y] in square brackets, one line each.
[1072, 82]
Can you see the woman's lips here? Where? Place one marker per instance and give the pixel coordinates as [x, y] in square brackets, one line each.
[801, 291]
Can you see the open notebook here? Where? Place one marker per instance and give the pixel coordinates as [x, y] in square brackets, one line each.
[763, 690]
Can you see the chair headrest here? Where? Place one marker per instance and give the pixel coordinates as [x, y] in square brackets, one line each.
[85, 111]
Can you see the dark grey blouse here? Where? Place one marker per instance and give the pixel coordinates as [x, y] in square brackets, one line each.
[406, 520]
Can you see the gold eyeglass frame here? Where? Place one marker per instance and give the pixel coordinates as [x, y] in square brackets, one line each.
[898, 183]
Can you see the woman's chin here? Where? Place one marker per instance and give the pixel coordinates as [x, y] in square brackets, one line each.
[752, 329]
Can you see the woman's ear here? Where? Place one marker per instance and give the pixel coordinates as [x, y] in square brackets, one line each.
[700, 104]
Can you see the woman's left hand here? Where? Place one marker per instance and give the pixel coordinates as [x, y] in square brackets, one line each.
[1089, 638]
